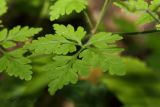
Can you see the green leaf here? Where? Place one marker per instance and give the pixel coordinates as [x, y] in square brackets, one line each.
[63, 42]
[103, 38]
[8, 44]
[103, 60]
[103, 53]
[17, 34]
[69, 32]
[155, 4]
[133, 5]
[51, 44]
[82, 68]
[3, 34]
[145, 18]
[15, 64]
[62, 7]
[3, 7]
[61, 73]
[22, 34]
[99, 52]
[133, 88]
[140, 8]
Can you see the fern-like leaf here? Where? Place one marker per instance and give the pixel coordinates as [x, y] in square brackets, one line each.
[63, 42]
[17, 34]
[62, 7]
[141, 8]
[69, 61]
[15, 64]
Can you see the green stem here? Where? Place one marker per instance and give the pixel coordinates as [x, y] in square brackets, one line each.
[77, 54]
[2, 51]
[88, 20]
[137, 33]
[153, 16]
[104, 8]
[44, 10]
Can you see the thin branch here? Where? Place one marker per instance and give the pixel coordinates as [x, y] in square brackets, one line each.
[88, 20]
[152, 15]
[104, 8]
[137, 33]
[2, 51]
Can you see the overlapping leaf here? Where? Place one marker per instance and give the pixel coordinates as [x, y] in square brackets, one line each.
[61, 73]
[100, 52]
[133, 5]
[103, 53]
[133, 88]
[141, 8]
[15, 64]
[63, 42]
[62, 7]
[17, 34]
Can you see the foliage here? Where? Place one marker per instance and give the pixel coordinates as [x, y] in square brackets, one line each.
[99, 52]
[143, 93]
[67, 7]
[69, 53]
[144, 10]
[72, 56]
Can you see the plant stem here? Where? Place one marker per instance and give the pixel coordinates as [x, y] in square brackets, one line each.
[137, 33]
[105, 6]
[88, 20]
[2, 51]
[153, 16]
[44, 10]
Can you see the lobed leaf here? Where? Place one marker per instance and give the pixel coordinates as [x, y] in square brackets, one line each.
[133, 5]
[62, 7]
[15, 64]
[17, 34]
[63, 42]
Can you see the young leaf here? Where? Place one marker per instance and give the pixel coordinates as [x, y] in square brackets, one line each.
[99, 52]
[133, 5]
[17, 34]
[104, 52]
[63, 42]
[3, 7]
[62, 7]
[145, 18]
[69, 33]
[15, 64]
[103, 60]
[155, 4]
[102, 39]
[3, 34]
[22, 34]
[141, 8]
[61, 73]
